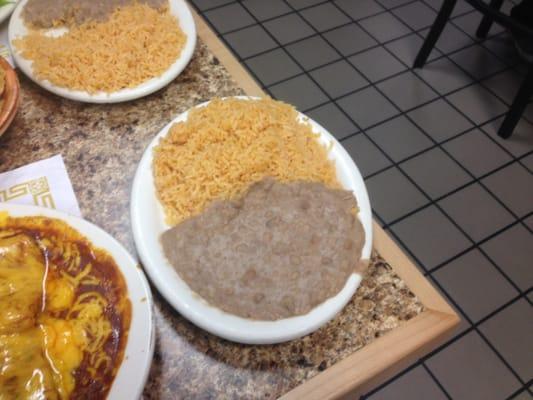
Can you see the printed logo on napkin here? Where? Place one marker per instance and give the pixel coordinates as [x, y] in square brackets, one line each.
[44, 183]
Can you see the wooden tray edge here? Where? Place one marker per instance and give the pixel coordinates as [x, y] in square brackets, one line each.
[380, 360]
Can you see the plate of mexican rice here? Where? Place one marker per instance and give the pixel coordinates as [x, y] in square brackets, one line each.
[251, 220]
[102, 52]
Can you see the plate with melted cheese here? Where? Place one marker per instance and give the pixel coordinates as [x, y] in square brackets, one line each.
[76, 317]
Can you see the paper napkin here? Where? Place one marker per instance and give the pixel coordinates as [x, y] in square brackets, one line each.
[44, 183]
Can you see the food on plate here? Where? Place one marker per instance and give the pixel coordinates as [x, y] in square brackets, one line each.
[108, 46]
[224, 147]
[262, 228]
[276, 252]
[52, 13]
[2, 80]
[65, 312]
[2, 86]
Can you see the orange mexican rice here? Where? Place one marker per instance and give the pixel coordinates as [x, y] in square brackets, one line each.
[137, 43]
[225, 147]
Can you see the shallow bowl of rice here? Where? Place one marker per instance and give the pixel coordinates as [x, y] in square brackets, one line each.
[177, 8]
[150, 218]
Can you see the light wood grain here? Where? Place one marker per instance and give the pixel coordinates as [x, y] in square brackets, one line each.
[379, 360]
[390, 353]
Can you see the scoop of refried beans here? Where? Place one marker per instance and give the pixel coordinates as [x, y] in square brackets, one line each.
[51, 13]
[278, 252]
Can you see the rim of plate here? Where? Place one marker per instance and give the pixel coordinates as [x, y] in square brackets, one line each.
[6, 11]
[133, 371]
[178, 8]
[147, 218]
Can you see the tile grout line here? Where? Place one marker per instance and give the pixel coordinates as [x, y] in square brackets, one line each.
[481, 242]
[476, 81]
[377, 45]
[408, 68]
[437, 382]
[382, 44]
[327, 31]
[447, 54]
[432, 202]
[515, 394]
[294, 11]
[225, 41]
[473, 246]
[471, 327]
[418, 153]
[394, 378]
[478, 180]
[480, 128]
[448, 194]
[485, 240]
[475, 328]
[378, 81]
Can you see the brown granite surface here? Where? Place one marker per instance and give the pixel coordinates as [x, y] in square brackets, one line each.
[101, 146]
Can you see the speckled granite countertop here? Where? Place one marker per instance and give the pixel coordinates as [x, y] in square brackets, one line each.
[101, 146]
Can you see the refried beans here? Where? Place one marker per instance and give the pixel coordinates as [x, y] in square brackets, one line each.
[52, 13]
[277, 252]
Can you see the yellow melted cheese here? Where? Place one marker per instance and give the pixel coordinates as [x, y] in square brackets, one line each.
[46, 329]
[25, 372]
[21, 282]
[63, 344]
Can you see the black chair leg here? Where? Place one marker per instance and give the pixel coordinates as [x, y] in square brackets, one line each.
[435, 32]
[517, 108]
[486, 22]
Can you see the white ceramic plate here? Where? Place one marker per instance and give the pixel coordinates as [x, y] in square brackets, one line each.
[6, 11]
[148, 224]
[133, 372]
[177, 7]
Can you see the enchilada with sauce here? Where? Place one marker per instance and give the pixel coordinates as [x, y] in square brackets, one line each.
[66, 312]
